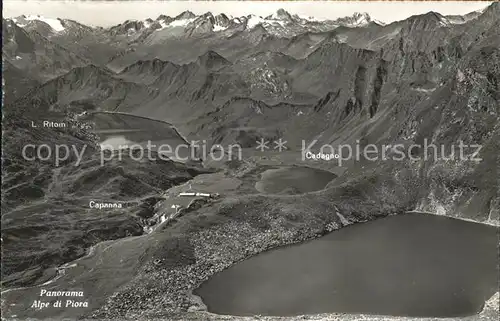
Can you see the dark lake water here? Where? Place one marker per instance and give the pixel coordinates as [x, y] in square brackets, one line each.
[293, 180]
[405, 265]
[118, 130]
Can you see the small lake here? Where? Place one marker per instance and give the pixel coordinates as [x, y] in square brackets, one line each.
[405, 265]
[118, 130]
[293, 180]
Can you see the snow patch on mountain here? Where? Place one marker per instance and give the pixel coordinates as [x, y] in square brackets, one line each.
[455, 21]
[278, 23]
[55, 24]
[381, 23]
[357, 20]
[458, 20]
[362, 20]
[163, 25]
[219, 28]
[281, 23]
[181, 22]
[254, 20]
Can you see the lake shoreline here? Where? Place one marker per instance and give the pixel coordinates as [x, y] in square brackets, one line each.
[384, 251]
[182, 281]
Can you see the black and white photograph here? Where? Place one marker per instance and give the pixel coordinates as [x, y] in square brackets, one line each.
[250, 160]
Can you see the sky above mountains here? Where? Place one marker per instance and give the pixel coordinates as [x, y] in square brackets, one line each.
[107, 13]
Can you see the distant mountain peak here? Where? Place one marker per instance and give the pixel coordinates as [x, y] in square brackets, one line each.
[280, 14]
[429, 16]
[362, 15]
[428, 20]
[493, 8]
[211, 59]
[433, 15]
[163, 17]
[207, 15]
[358, 19]
[222, 22]
[185, 15]
[221, 19]
[222, 16]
